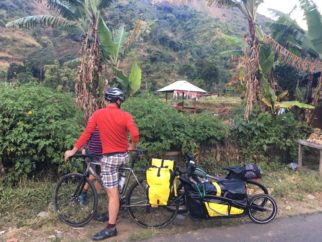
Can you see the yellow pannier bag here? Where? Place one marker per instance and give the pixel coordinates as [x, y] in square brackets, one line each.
[217, 209]
[158, 179]
[163, 163]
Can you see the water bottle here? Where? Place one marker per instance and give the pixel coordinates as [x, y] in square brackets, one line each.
[121, 182]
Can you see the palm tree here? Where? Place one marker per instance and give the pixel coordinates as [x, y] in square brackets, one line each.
[252, 78]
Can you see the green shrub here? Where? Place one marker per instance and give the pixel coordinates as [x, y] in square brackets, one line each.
[163, 129]
[268, 138]
[36, 125]
[207, 130]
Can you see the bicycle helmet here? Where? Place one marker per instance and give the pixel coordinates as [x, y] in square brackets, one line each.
[113, 94]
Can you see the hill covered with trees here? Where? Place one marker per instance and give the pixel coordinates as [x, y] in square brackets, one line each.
[183, 43]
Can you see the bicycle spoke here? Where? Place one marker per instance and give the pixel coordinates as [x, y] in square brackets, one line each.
[71, 208]
[143, 213]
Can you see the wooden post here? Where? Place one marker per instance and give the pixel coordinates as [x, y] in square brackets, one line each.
[300, 156]
[320, 167]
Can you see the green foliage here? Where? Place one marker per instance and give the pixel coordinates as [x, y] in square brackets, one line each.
[135, 78]
[164, 129]
[266, 59]
[207, 130]
[161, 127]
[113, 46]
[42, 20]
[275, 103]
[60, 77]
[314, 23]
[287, 78]
[36, 125]
[266, 138]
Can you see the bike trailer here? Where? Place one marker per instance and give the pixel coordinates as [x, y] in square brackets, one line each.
[228, 190]
[159, 178]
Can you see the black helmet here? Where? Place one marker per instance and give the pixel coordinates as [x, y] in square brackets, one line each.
[113, 94]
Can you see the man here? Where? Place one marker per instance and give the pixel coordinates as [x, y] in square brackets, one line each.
[113, 125]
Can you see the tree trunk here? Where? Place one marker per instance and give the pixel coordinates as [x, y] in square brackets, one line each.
[88, 94]
[252, 66]
[309, 114]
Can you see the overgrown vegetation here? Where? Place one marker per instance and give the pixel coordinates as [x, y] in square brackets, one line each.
[36, 125]
[162, 128]
[21, 204]
[268, 138]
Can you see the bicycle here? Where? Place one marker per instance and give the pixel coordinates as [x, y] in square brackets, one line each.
[133, 197]
[205, 196]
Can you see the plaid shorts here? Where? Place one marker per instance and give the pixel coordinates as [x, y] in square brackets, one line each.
[110, 165]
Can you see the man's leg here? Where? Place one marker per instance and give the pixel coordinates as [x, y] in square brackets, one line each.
[109, 174]
[113, 204]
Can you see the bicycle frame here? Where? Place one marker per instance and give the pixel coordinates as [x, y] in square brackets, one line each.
[128, 170]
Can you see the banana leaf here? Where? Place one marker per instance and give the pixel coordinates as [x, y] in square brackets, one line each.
[108, 47]
[291, 104]
[135, 78]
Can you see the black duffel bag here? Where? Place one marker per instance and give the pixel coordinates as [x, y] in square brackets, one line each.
[246, 172]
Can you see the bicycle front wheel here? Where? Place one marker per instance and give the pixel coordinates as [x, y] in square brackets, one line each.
[71, 208]
[141, 211]
[262, 209]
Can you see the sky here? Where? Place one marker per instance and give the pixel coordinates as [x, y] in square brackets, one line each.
[286, 6]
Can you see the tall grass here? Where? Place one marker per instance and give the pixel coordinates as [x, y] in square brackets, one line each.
[21, 204]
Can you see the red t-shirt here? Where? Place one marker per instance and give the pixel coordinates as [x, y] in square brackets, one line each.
[113, 125]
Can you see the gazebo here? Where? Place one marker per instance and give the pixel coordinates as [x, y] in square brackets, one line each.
[183, 89]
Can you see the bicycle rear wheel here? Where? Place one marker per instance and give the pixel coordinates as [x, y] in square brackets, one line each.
[141, 212]
[68, 205]
[262, 209]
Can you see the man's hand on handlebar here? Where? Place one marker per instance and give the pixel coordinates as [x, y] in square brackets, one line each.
[132, 147]
[70, 153]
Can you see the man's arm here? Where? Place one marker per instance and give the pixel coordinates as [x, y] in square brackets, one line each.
[83, 139]
[134, 133]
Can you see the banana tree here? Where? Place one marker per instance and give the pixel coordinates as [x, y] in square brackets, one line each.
[269, 97]
[275, 103]
[291, 43]
[83, 15]
[114, 45]
[252, 78]
[314, 24]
